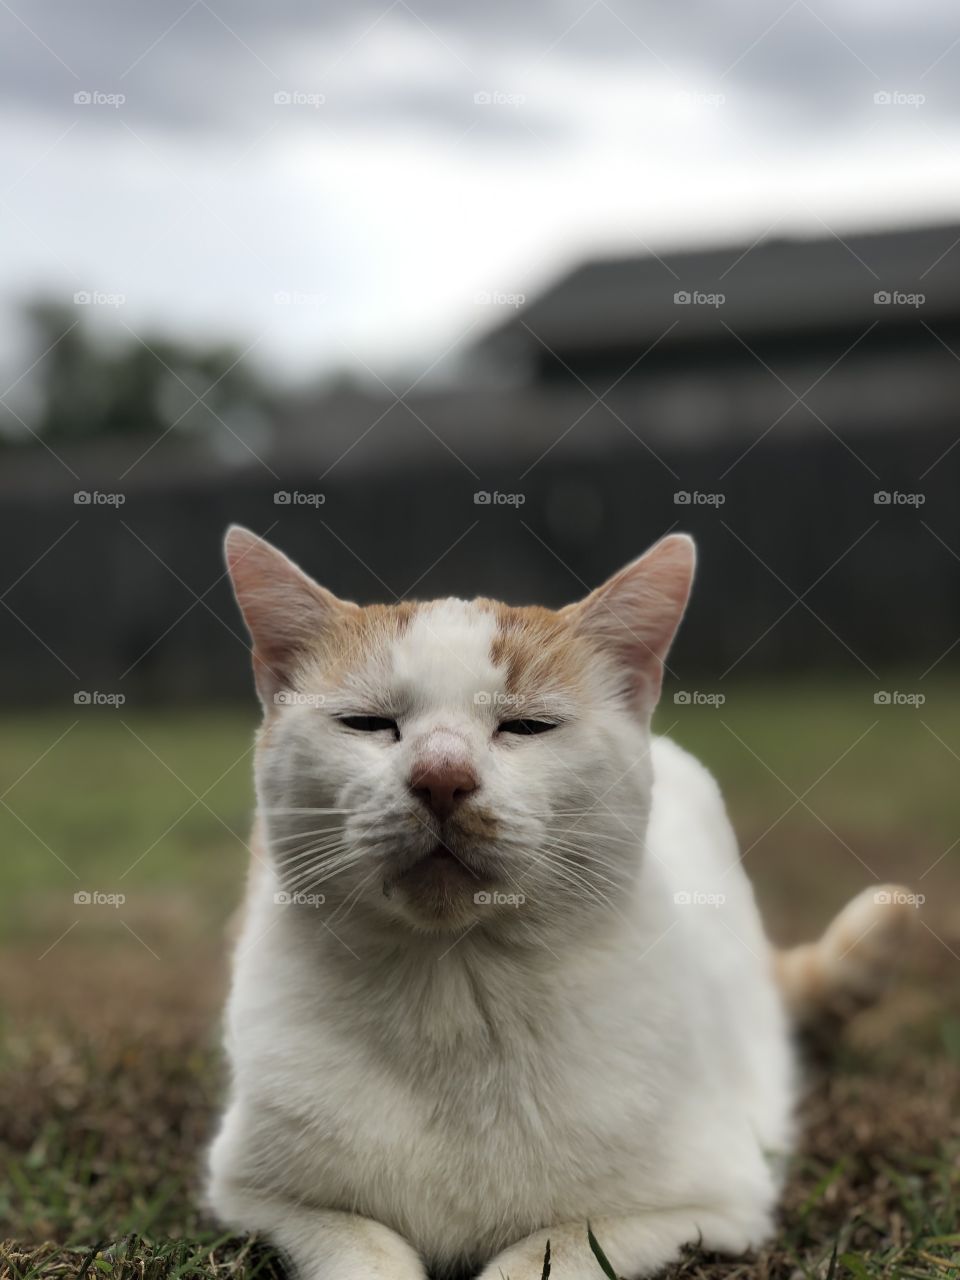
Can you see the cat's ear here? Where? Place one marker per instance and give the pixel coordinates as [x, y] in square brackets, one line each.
[285, 611]
[635, 614]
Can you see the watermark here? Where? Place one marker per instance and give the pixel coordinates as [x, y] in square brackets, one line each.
[97, 98]
[94, 498]
[896, 698]
[697, 698]
[695, 298]
[293, 698]
[898, 98]
[295, 498]
[898, 298]
[894, 498]
[696, 99]
[98, 298]
[498, 98]
[284, 899]
[483, 498]
[495, 298]
[297, 98]
[484, 698]
[491, 898]
[694, 898]
[294, 298]
[94, 898]
[898, 897]
[94, 698]
[694, 498]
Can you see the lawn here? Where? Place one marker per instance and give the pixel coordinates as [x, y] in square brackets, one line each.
[110, 1074]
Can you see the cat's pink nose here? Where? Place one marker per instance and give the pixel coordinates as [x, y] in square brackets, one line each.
[442, 785]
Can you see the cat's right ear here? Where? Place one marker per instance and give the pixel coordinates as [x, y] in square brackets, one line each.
[285, 611]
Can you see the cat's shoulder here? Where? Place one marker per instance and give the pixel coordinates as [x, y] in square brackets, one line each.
[675, 767]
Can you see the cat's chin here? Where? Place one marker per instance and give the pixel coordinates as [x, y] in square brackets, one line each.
[440, 888]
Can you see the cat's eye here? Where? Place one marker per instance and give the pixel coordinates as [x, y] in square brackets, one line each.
[526, 726]
[371, 724]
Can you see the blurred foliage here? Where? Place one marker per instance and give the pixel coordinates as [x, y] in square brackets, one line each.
[86, 388]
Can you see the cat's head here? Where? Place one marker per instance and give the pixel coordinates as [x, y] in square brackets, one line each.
[456, 764]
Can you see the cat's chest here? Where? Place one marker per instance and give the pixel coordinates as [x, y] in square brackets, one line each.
[465, 1143]
[522, 1117]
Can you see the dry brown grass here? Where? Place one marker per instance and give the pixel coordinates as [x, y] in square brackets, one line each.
[105, 1108]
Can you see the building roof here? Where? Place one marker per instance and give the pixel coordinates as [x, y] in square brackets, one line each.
[774, 286]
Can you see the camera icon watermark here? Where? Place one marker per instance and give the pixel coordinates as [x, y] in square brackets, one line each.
[297, 98]
[294, 698]
[94, 698]
[297, 498]
[694, 898]
[898, 298]
[898, 897]
[897, 698]
[697, 698]
[504, 701]
[294, 298]
[685, 98]
[97, 98]
[486, 298]
[498, 98]
[694, 498]
[298, 899]
[898, 98]
[95, 898]
[485, 498]
[697, 298]
[894, 498]
[94, 498]
[98, 298]
[492, 898]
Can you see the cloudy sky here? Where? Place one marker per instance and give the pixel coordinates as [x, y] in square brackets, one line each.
[363, 184]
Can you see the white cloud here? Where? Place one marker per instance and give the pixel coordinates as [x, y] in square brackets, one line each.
[383, 210]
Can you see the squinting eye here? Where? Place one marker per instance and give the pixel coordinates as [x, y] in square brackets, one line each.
[371, 724]
[526, 726]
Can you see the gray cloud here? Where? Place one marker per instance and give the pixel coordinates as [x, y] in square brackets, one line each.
[400, 198]
[202, 65]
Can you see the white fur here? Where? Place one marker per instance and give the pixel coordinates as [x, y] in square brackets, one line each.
[406, 1097]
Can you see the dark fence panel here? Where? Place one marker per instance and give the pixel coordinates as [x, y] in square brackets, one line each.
[133, 599]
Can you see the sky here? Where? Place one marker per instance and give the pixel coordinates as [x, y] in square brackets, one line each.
[372, 186]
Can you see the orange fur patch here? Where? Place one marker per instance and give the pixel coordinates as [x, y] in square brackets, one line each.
[353, 634]
[537, 647]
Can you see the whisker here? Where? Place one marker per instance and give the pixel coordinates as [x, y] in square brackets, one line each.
[595, 810]
[354, 896]
[587, 864]
[561, 868]
[309, 810]
[568, 854]
[286, 857]
[314, 851]
[311, 842]
[309, 874]
[295, 835]
[321, 858]
[591, 835]
[614, 857]
[617, 869]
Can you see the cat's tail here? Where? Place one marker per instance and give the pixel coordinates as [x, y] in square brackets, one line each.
[852, 962]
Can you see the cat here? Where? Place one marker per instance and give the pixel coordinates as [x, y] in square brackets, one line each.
[501, 973]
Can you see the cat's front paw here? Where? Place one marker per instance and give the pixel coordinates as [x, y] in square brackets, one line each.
[526, 1259]
[522, 1263]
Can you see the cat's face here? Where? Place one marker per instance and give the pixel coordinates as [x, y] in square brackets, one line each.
[456, 764]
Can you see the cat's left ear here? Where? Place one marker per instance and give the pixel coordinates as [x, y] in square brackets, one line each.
[285, 611]
[635, 614]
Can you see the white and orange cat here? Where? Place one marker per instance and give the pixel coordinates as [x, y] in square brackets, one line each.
[501, 972]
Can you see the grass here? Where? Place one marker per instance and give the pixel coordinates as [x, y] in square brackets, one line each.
[110, 1075]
